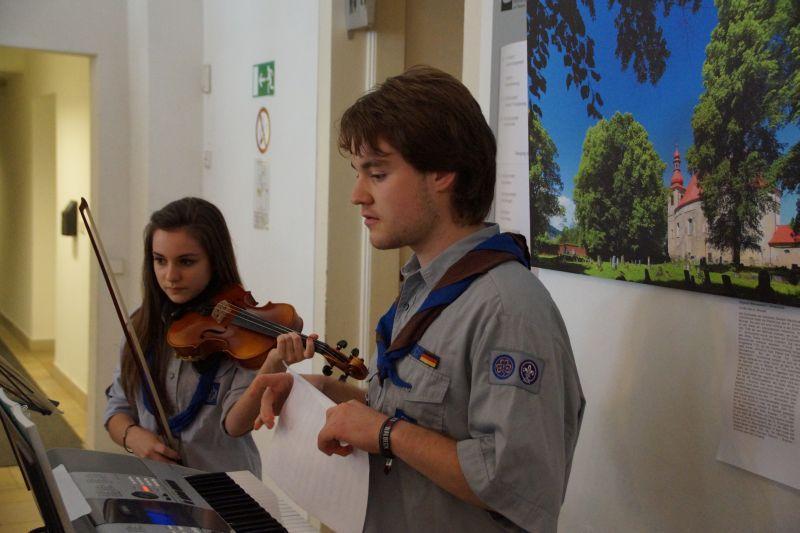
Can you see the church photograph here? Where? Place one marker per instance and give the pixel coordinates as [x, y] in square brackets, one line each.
[678, 168]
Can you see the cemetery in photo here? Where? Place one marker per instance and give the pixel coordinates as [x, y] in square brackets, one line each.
[671, 161]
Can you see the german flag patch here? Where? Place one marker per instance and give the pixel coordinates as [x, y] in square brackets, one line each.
[425, 357]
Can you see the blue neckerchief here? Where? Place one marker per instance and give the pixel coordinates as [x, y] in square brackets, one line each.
[178, 423]
[443, 296]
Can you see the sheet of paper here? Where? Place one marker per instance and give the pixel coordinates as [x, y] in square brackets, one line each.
[332, 489]
[74, 501]
[512, 190]
[760, 411]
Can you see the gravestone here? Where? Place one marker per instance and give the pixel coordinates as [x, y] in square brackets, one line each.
[728, 285]
[706, 278]
[764, 289]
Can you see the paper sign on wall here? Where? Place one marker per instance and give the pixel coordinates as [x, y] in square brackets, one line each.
[512, 190]
[261, 196]
[761, 394]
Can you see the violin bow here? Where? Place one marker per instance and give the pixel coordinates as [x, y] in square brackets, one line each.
[127, 325]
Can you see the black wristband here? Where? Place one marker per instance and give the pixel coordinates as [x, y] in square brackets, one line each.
[384, 437]
[125, 437]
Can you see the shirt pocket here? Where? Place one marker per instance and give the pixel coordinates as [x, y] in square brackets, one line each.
[424, 403]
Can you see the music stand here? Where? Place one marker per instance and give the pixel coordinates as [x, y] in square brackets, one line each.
[19, 388]
[32, 460]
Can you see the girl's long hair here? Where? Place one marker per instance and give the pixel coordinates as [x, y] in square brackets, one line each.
[204, 222]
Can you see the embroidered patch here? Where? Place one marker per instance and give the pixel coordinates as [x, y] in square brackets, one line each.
[503, 366]
[518, 369]
[528, 372]
[430, 360]
[423, 356]
[213, 394]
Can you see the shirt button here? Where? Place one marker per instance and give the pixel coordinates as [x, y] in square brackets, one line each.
[404, 307]
[172, 375]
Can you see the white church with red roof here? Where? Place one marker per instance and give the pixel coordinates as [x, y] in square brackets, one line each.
[688, 229]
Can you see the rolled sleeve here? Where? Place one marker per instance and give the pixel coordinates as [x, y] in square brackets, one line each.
[117, 401]
[514, 460]
[240, 379]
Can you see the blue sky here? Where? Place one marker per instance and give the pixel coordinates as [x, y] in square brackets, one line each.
[665, 109]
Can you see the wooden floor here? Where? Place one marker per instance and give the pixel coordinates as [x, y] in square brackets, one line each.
[18, 512]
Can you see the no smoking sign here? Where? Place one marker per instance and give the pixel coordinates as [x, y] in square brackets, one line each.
[262, 130]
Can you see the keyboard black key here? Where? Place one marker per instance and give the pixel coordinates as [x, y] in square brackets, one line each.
[233, 504]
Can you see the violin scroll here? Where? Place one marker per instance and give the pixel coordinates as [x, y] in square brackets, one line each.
[351, 365]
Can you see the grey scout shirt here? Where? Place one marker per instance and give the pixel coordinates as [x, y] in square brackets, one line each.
[506, 389]
[204, 444]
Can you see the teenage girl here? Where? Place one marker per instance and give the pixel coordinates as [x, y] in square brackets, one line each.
[188, 256]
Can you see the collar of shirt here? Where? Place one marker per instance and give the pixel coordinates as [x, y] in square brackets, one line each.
[434, 271]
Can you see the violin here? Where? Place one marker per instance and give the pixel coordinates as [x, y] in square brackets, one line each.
[232, 323]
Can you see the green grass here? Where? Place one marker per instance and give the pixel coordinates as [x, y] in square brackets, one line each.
[745, 281]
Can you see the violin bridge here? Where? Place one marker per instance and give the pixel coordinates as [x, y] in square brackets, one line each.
[189, 358]
[221, 310]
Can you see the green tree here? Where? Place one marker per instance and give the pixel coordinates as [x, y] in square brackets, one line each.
[560, 24]
[735, 126]
[545, 181]
[620, 201]
[640, 42]
[784, 19]
[570, 235]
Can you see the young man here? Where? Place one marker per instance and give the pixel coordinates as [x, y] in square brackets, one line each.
[474, 402]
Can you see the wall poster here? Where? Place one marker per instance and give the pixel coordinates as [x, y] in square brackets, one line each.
[760, 428]
[664, 143]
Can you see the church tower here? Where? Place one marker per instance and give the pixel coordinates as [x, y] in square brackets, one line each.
[676, 183]
[676, 192]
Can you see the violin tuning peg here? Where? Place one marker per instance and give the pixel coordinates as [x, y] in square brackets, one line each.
[354, 352]
[327, 370]
[341, 345]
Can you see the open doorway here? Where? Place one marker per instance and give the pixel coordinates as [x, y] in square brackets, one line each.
[45, 163]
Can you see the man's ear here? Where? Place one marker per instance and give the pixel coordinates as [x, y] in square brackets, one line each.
[444, 181]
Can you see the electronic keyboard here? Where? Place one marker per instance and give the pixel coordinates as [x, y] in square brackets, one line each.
[128, 494]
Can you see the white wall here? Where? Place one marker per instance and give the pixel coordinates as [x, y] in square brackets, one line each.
[651, 365]
[165, 54]
[44, 174]
[96, 28]
[277, 263]
[66, 79]
[47, 143]
[16, 217]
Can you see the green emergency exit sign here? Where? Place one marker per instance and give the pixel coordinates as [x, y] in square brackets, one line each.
[264, 79]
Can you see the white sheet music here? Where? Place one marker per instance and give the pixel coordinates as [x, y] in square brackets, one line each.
[332, 489]
[74, 502]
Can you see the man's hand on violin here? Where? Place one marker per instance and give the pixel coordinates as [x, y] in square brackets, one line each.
[289, 349]
[146, 444]
[348, 425]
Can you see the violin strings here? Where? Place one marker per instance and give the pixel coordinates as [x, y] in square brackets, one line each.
[272, 327]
